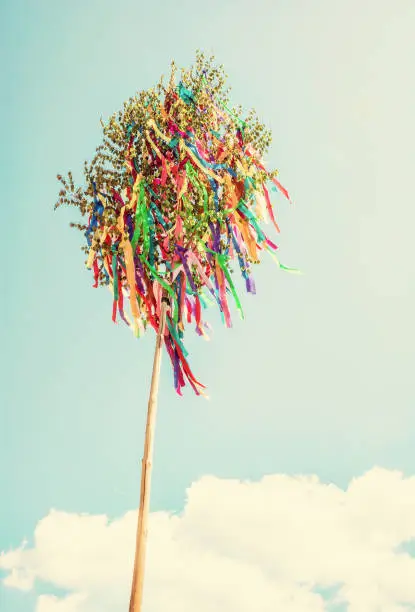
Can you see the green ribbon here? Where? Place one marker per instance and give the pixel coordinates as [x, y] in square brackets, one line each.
[165, 286]
[254, 222]
[205, 301]
[280, 265]
[115, 276]
[141, 224]
[152, 233]
[176, 337]
[191, 173]
[242, 124]
[222, 261]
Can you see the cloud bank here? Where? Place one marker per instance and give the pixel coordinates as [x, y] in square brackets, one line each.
[284, 543]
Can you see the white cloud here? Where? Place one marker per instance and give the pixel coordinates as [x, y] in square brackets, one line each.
[237, 547]
[50, 603]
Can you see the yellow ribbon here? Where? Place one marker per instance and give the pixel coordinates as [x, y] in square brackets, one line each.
[125, 245]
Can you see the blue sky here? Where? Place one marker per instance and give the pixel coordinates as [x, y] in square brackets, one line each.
[319, 377]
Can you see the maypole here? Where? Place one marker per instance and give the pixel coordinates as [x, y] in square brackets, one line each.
[136, 598]
[175, 195]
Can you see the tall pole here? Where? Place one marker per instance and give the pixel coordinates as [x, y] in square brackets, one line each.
[136, 598]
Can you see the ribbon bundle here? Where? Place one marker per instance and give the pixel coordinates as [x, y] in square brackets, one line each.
[176, 193]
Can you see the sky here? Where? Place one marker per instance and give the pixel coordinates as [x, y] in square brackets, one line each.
[293, 486]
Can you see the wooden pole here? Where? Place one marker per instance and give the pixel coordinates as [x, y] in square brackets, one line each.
[141, 539]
